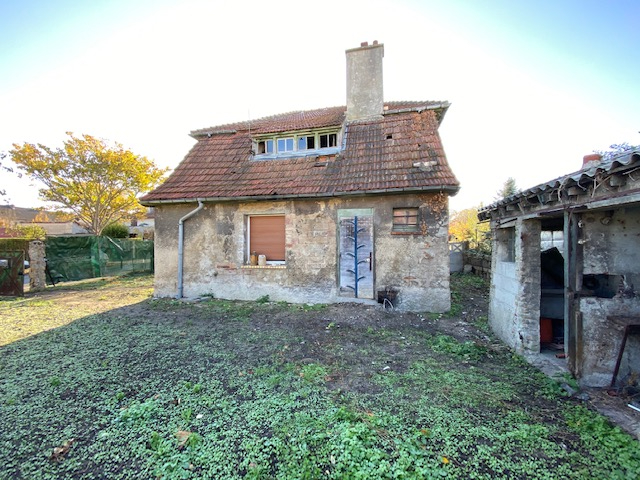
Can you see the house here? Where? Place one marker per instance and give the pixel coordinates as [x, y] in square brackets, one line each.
[53, 223]
[142, 227]
[565, 267]
[328, 205]
[69, 227]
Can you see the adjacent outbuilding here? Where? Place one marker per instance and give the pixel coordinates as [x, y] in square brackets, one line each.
[566, 266]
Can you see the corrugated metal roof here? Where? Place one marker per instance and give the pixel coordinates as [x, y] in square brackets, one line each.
[588, 173]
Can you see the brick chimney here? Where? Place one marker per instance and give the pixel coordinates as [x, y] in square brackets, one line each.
[591, 160]
[364, 81]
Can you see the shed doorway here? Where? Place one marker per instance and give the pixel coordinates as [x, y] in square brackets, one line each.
[552, 288]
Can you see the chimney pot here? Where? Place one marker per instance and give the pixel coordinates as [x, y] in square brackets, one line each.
[375, 42]
[364, 44]
[591, 160]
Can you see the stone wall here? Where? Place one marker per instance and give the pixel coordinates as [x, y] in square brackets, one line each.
[216, 260]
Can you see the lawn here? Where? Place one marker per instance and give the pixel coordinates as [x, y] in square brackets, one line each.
[98, 380]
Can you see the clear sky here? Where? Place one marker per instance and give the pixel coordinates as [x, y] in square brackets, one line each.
[533, 85]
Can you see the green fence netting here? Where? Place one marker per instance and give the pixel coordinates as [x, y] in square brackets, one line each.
[80, 257]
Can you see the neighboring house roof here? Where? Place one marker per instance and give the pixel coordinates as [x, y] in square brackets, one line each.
[18, 214]
[399, 151]
[59, 228]
[8, 233]
[573, 189]
[25, 215]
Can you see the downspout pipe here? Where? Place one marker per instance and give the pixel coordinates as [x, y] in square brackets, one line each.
[181, 245]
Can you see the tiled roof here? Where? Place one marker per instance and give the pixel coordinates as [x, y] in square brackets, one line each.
[25, 215]
[307, 119]
[401, 151]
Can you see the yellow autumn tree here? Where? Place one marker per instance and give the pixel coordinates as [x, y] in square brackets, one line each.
[95, 181]
[464, 226]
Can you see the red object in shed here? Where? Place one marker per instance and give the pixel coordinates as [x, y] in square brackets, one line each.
[546, 330]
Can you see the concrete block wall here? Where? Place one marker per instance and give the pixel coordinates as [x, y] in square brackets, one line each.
[528, 273]
[514, 309]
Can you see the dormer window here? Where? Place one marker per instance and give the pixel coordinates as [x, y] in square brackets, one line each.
[307, 142]
[297, 144]
[328, 140]
[285, 144]
[265, 146]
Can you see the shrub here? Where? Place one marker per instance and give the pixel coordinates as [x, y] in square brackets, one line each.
[116, 230]
[31, 232]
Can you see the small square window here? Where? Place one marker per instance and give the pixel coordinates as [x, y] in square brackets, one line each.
[405, 220]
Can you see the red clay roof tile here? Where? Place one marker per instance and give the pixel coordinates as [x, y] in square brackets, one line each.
[221, 165]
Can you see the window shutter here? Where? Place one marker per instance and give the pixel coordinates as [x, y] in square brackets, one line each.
[267, 236]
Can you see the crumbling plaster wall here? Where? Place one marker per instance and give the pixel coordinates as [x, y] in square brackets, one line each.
[514, 308]
[215, 255]
[602, 337]
[610, 242]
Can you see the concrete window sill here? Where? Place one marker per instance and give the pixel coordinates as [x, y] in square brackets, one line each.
[264, 267]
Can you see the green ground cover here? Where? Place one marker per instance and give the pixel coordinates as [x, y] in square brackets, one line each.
[131, 387]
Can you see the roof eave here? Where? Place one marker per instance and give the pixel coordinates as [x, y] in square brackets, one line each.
[451, 190]
[625, 161]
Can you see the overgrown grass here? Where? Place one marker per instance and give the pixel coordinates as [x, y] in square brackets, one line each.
[223, 390]
[463, 285]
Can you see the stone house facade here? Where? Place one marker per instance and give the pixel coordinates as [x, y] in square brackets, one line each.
[320, 206]
[565, 267]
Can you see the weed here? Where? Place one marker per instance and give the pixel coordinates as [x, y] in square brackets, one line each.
[569, 380]
[55, 381]
[467, 350]
[482, 323]
[313, 373]
[140, 412]
[550, 388]
[187, 414]
[311, 307]
[263, 299]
